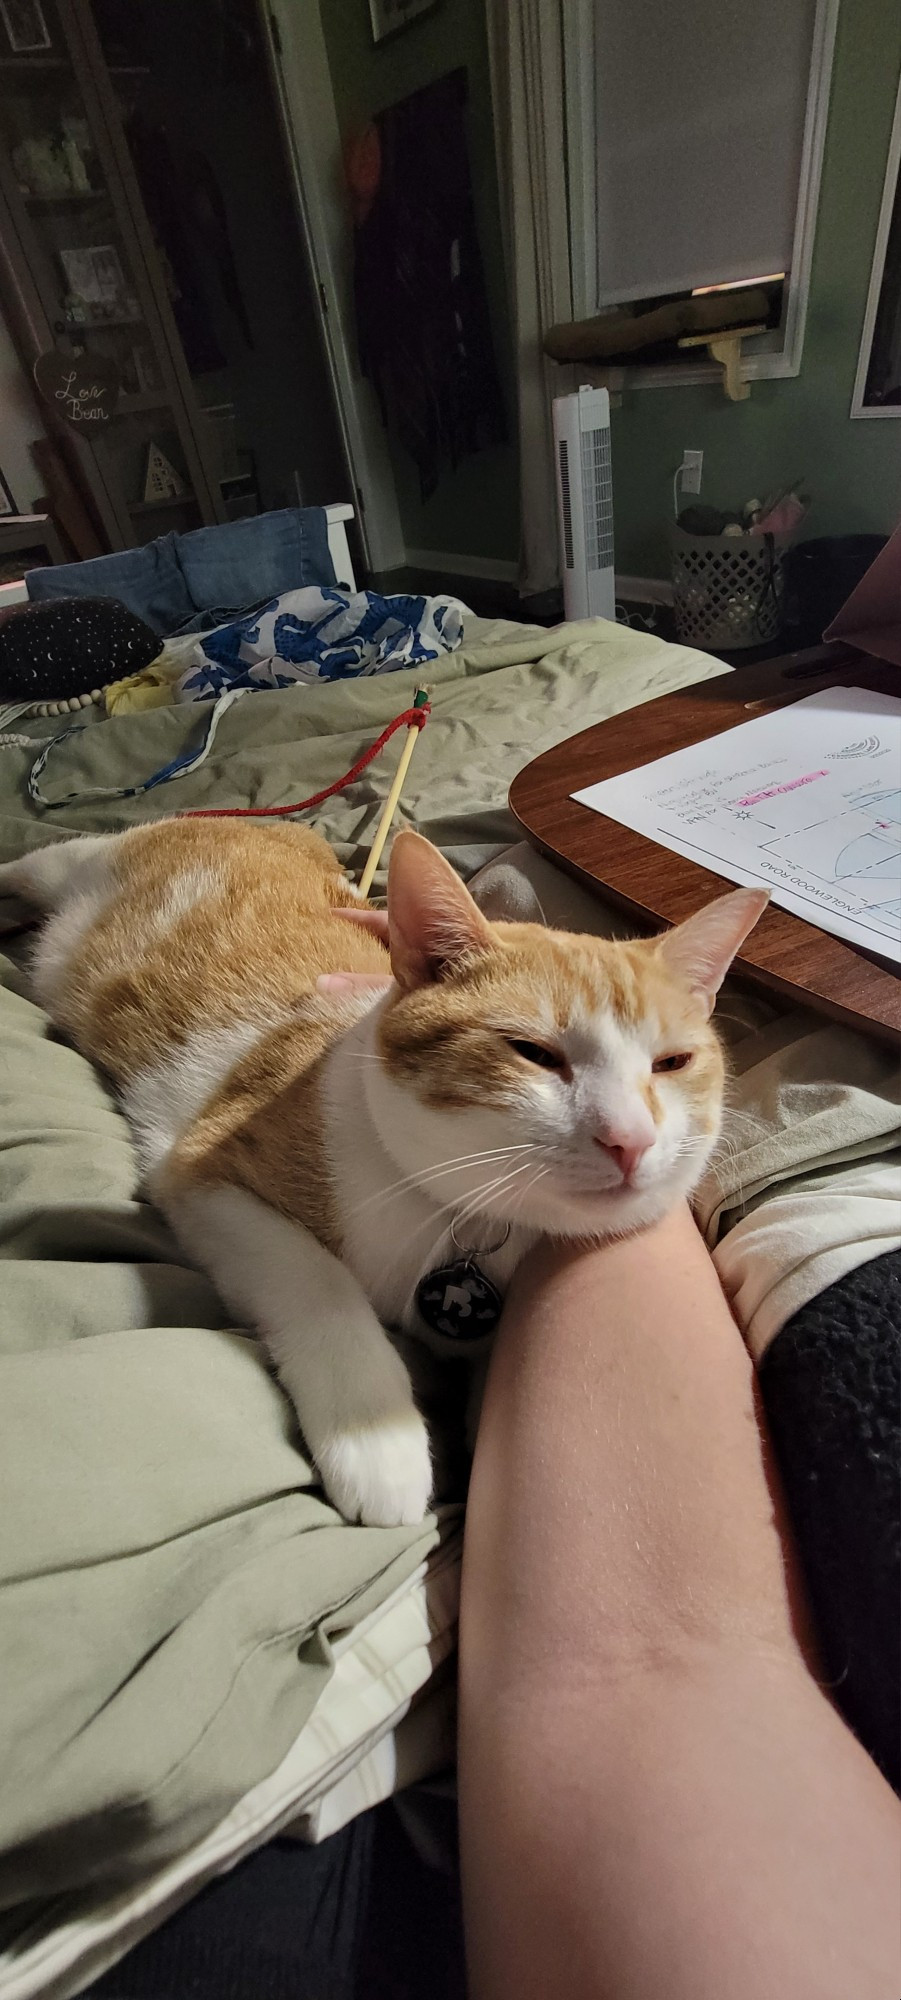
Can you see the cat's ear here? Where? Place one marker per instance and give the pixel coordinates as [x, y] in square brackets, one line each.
[702, 949]
[432, 920]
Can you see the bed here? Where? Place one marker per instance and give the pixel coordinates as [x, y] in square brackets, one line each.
[195, 1651]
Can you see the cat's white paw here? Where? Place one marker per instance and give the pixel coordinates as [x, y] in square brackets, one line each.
[380, 1473]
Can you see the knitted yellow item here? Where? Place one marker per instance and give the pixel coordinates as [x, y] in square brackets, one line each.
[149, 689]
[155, 685]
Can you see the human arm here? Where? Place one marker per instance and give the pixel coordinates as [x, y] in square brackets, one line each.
[655, 1793]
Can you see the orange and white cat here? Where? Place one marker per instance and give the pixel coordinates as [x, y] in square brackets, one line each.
[322, 1153]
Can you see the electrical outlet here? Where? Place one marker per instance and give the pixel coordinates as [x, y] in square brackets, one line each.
[692, 467]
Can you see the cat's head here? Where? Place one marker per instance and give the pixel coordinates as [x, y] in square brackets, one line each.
[570, 1083]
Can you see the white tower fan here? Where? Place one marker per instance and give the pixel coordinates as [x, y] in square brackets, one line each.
[585, 502]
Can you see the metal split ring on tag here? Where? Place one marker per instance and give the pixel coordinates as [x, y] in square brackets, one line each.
[457, 1300]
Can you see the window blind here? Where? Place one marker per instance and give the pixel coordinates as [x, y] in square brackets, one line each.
[700, 114]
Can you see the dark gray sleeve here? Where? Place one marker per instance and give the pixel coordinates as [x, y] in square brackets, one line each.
[831, 1383]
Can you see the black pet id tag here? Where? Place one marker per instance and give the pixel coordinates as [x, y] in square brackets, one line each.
[459, 1302]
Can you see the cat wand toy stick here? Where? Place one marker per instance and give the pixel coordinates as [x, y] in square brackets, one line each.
[415, 719]
[420, 701]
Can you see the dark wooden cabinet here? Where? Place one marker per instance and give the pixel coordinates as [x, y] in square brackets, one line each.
[79, 269]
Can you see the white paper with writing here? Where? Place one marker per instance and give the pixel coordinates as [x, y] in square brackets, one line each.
[806, 800]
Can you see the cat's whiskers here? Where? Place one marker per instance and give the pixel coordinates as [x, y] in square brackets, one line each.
[730, 1131]
[542, 1169]
[484, 1196]
[527, 1189]
[521, 1192]
[490, 1191]
[744, 1125]
[427, 1222]
[691, 1143]
[446, 1216]
[442, 1231]
[425, 1175]
[725, 1166]
[424, 1183]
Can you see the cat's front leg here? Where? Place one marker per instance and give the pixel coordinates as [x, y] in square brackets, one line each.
[350, 1389]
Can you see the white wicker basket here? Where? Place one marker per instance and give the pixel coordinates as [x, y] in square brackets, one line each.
[727, 589]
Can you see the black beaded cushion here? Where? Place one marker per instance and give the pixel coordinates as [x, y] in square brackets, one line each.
[69, 647]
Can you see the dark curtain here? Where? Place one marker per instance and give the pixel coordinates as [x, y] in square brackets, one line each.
[422, 316]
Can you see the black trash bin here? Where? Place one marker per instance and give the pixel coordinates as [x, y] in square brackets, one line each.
[819, 577]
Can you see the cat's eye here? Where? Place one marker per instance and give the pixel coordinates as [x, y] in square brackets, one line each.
[665, 1065]
[535, 1052]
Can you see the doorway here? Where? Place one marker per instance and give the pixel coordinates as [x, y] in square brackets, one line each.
[205, 139]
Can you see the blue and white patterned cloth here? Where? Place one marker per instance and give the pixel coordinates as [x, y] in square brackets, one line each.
[321, 635]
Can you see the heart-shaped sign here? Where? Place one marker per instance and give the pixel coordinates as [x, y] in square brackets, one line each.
[83, 388]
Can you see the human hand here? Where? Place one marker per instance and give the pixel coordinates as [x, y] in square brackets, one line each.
[375, 921]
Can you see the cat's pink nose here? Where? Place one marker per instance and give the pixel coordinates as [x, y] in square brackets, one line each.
[628, 1156]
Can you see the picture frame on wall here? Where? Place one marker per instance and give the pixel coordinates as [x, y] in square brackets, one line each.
[26, 29]
[7, 503]
[877, 384]
[387, 16]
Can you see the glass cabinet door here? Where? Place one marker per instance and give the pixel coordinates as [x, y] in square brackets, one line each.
[91, 281]
[208, 154]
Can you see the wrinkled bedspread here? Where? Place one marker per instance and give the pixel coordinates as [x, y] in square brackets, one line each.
[179, 1607]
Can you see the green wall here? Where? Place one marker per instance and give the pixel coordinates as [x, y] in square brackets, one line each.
[799, 428]
[795, 429]
[475, 510]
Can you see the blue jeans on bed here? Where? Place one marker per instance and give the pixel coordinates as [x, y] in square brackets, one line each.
[189, 583]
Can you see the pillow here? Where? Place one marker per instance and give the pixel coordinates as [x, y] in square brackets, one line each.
[55, 651]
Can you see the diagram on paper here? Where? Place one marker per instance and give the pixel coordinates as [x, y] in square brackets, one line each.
[860, 846]
[814, 831]
[806, 800]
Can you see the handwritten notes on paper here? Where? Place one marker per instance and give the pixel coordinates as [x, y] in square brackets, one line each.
[806, 800]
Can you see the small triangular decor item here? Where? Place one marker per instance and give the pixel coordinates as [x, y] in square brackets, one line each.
[161, 480]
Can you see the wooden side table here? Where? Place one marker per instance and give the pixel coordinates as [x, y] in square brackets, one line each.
[22, 533]
[793, 958]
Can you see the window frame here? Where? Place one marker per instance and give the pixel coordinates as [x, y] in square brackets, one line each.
[762, 359]
[890, 194]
